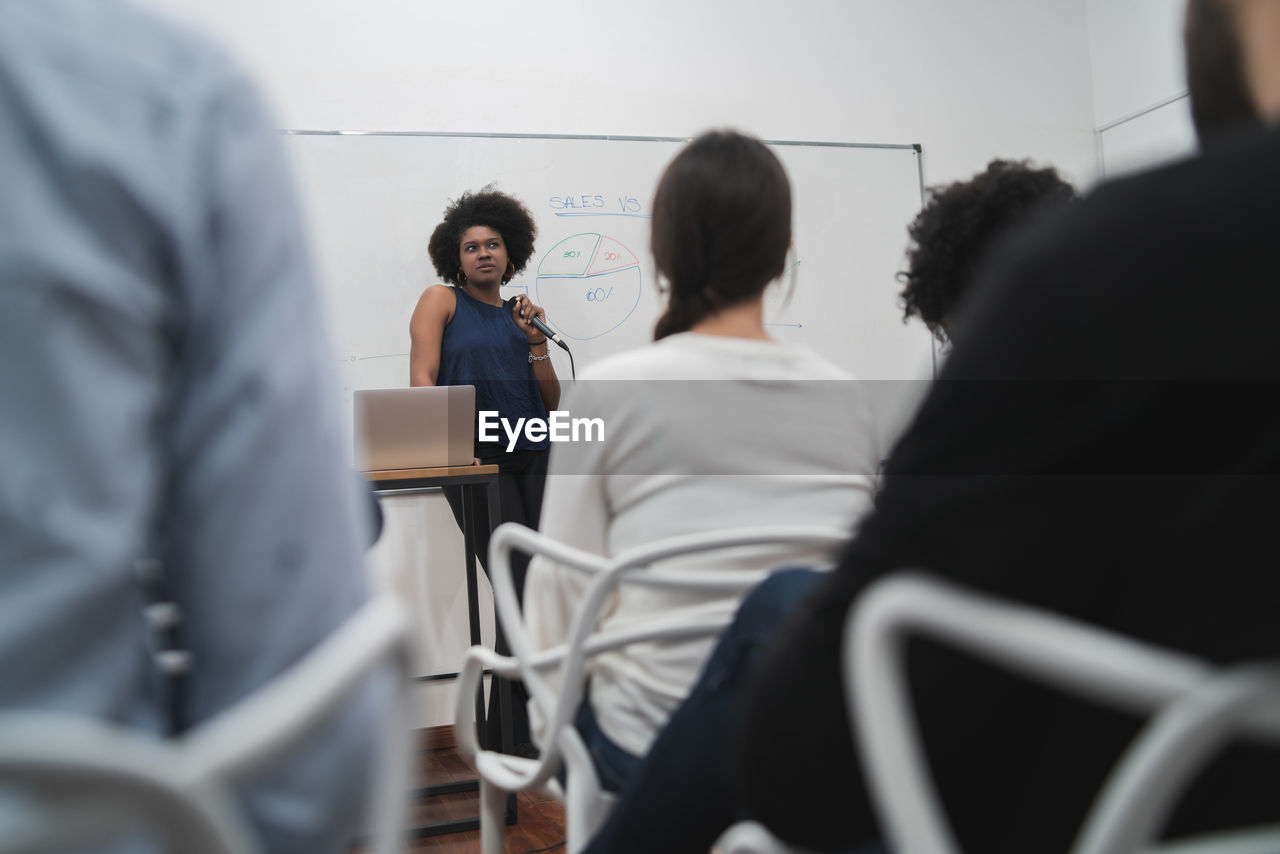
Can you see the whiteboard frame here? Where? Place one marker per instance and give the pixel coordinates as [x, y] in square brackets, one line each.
[587, 136]
[913, 146]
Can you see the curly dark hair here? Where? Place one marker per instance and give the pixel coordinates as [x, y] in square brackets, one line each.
[958, 224]
[505, 214]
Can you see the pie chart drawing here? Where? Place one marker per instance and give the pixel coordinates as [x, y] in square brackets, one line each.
[589, 284]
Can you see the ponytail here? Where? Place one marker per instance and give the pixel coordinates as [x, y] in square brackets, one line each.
[684, 311]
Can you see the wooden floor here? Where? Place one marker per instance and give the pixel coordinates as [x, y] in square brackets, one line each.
[541, 825]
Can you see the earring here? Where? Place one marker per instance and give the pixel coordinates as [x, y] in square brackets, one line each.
[462, 278]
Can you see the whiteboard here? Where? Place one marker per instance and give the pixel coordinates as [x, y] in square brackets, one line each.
[372, 199]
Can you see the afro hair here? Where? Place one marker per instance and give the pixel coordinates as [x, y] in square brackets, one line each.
[504, 214]
[959, 224]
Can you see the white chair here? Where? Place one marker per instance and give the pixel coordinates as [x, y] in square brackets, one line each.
[84, 781]
[1194, 707]
[751, 837]
[586, 803]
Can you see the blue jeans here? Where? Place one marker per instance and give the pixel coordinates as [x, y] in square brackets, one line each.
[682, 796]
[614, 765]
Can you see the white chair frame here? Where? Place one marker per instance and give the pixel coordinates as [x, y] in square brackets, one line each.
[1195, 709]
[90, 779]
[586, 803]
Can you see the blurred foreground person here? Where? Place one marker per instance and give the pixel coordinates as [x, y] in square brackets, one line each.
[167, 400]
[1103, 443]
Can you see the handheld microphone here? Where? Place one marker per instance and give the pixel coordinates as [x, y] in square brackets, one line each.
[538, 324]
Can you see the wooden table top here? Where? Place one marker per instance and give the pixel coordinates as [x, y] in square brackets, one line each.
[434, 471]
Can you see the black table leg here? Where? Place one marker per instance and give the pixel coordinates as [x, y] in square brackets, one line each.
[500, 646]
[473, 595]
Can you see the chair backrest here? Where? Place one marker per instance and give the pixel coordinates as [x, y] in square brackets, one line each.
[751, 837]
[558, 700]
[1196, 709]
[84, 780]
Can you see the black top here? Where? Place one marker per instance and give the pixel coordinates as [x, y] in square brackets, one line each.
[1104, 442]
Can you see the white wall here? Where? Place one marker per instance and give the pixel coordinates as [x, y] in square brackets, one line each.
[968, 79]
[1136, 52]
[1139, 83]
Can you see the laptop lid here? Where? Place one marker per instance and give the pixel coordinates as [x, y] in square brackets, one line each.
[421, 427]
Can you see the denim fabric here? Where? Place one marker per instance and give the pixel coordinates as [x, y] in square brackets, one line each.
[680, 797]
[614, 766]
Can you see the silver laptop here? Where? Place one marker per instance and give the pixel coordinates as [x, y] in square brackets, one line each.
[405, 428]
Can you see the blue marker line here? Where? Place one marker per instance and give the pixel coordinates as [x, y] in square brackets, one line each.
[594, 213]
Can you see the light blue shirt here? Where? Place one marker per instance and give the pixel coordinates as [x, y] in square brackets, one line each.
[165, 390]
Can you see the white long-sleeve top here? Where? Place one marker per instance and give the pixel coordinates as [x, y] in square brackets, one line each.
[701, 432]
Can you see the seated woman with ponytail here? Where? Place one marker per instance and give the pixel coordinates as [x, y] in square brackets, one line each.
[714, 425]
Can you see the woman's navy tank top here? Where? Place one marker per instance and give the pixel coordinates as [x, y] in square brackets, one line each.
[483, 347]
